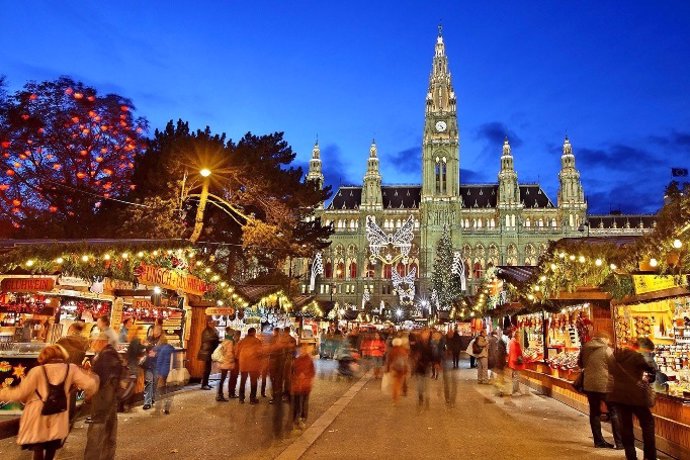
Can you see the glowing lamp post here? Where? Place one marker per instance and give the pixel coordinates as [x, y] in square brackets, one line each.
[203, 198]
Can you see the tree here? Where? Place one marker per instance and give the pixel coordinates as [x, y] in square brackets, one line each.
[258, 216]
[64, 150]
[447, 286]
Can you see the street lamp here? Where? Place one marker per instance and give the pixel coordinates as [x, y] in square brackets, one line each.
[203, 198]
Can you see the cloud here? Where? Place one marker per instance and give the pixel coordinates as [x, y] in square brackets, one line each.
[405, 161]
[467, 176]
[673, 139]
[334, 168]
[494, 133]
[613, 158]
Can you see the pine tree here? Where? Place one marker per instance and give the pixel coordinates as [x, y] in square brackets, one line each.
[447, 286]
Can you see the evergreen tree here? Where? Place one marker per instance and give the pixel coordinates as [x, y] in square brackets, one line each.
[447, 286]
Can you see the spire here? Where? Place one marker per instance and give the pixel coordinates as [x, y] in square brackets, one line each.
[570, 193]
[315, 173]
[508, 189]
[371, 190]
[440, 96]
[506, 147]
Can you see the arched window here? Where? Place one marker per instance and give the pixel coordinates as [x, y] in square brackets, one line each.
[387, 271]
[371, 271]
[478, 270]
[353, 270]
[527, 222]
[400, 269]
[328, 270]
[437, 174]
[340, 270]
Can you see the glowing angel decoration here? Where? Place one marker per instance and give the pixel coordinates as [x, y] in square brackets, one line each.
[458, 269]
[379, 240]
[404, 285]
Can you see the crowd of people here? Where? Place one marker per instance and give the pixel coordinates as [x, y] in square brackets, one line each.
[49, 390]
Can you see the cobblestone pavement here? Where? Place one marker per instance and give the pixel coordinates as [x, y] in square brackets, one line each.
[354, 420]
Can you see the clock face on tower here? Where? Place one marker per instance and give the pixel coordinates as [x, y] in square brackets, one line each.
[441, 126]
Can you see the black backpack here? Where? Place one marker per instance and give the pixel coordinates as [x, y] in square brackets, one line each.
[56, 400]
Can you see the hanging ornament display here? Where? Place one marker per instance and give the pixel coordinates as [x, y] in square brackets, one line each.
[404, 285]
[389, 248]
[458, 269]
[316, 269]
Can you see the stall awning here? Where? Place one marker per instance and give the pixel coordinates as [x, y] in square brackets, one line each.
[516, 274]
[254, 293]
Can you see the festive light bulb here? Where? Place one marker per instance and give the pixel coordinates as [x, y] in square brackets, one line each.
[215, 278]
[230, 289]
[208, 270]
[598, 262]
[29, 263]
[571, 257]
[125, 255]
[84, 258]
[155, 253]
[169, 251]
[562, 255]
[536, 288]
[140, 254]
[223, 284]
[542, 278]
[613, 266]
[581, 259]
[553, 267]
[677, 243]
[234, 296]
[653, 262]
[219, 303]
[530, 296]
[59, 260]
[106, 257]
[156, 290]
[198, 263]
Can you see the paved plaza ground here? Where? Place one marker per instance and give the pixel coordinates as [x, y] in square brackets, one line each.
[352, 419]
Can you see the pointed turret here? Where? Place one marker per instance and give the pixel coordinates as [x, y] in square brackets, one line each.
[440, 97]
[371, 189]
[571, 197]
[315, 173]
[508, 189]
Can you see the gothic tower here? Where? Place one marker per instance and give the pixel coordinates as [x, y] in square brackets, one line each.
[571, 197]
[508, 190]
[315, 173]
[441, 144]
[371, 189]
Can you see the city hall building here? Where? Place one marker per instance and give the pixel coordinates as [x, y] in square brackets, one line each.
[385, 235]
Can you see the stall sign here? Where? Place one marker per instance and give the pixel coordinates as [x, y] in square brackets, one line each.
[220, 311]
[171, 279]
[73, 281]
[27, 284]
[652, 283]
[111, 285]
[116, 312]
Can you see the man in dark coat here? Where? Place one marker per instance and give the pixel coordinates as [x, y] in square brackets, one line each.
[628, 368]
[209, 342]
[101, 437]
[455, 345]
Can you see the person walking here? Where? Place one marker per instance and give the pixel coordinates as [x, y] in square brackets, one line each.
[594, 362]
[438, 346]
[235, 371]
[136, 352]
[276, 363]
[301, 381]
[227, 362]
[515, 361]
[76, 346]
[629, 396]
[290, 351]
[209, 342]
[164, 356]
[398, 365]
[149, 365]
[249, 351]
[101, 437]
[454, 344]
[497, 360]
[127, 324]
[39, 433]
[422, 356]
[480, 349]
[103, 324]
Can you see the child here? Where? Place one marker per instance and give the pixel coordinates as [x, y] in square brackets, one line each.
[302, 379]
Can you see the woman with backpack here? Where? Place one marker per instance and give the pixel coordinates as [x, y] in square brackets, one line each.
[44, 425]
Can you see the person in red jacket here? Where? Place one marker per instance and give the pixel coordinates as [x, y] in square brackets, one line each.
[303, 373]
[515, 360]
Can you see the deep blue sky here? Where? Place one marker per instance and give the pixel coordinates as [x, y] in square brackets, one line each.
[614, 75]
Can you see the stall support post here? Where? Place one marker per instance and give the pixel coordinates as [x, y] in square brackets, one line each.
[545, 346]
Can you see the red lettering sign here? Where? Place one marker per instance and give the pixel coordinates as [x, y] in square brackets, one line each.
[172, 279]
[27, 284]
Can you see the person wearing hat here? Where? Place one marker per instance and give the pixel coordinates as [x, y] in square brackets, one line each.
[101, 437]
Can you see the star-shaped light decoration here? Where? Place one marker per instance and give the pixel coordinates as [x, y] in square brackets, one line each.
[19, 371]
[5, 366]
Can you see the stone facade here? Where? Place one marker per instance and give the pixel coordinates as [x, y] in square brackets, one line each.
[505, 223]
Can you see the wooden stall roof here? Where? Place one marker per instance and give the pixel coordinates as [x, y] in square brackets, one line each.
[676, 291]
[516, 274]
[301, 300]
[254, 293]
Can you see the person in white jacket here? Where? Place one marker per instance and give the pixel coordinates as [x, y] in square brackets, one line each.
[479, 348]
[45, 434]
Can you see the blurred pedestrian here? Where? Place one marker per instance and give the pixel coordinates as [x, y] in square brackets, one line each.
[454, 344]
[301, 382]
[227, 362]
[515, 361]
[124, 330]
[136, 356]
[39, 433]
[101, 437]
[480, 349]
[276, 363]
[249, 351]
[209, 342]
[629, 395]
[76, 346]
[149, 365]
[235, 371]
[422, 356]
[438, 345]
[398, 365]
[497, 361]
[164, 357]
[594, 362]
[103, 324]
[290, 351]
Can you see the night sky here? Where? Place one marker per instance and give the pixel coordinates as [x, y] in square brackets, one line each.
[614, 75]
